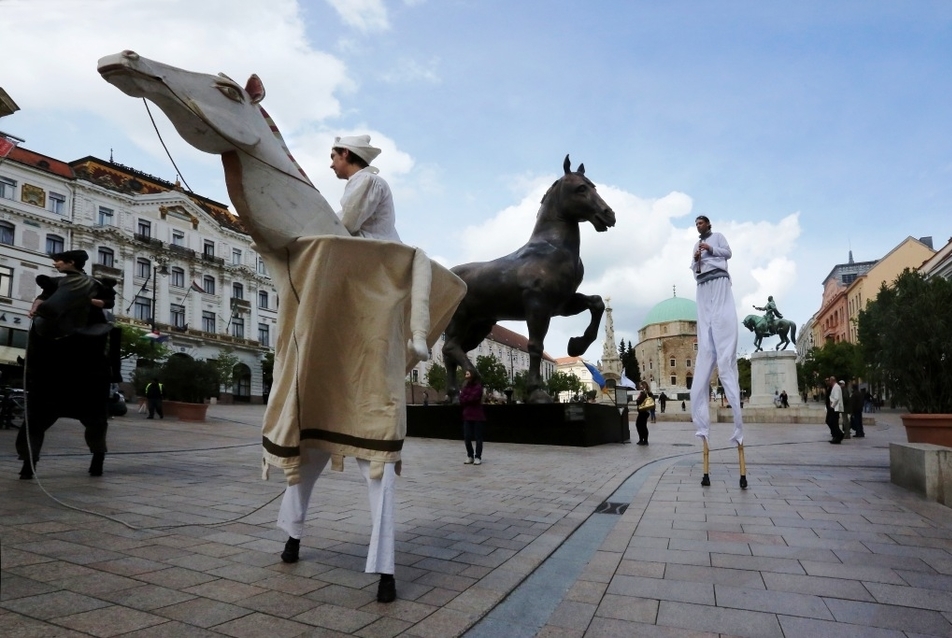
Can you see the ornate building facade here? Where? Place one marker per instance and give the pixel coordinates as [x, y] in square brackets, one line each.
[667, 347]
[184, 264]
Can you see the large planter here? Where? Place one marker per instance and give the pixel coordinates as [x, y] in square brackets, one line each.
[185, 411]
[928, 428]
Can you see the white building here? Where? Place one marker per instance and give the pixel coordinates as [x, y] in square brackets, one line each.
[183, 262]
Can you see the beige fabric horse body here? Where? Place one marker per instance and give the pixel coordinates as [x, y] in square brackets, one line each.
[355, 314]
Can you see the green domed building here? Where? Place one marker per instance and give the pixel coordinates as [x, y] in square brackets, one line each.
[667, 347]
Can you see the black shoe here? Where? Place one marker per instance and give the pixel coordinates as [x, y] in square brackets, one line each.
[95, 468]
[26, 472]
[859, 436]
[386, 589]
[837, 440]
[642, 443]
[291, 549]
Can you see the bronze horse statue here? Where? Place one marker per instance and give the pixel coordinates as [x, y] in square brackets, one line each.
[535, 283]
[758, 325]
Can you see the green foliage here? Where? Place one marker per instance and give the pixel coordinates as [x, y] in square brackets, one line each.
[563, 382]
[906, 339]
[493, 373]
[436, 377]
[519, 384]
[135, 345]
[225, 367]
[188, 380]
[843, 360]
[628, 362]
[267, 369]
[743, 373]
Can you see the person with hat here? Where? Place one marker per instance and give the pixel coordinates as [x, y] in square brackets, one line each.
[72, 357]
[367, 204]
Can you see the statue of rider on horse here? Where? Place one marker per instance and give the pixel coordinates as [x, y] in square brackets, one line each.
[770, 324]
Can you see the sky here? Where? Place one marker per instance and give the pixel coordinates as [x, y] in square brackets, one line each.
[803, 130]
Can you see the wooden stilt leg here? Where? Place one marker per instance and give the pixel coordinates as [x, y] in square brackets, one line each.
[743, 466]
[706, 480]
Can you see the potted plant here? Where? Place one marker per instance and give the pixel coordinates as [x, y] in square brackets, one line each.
[187, 383]
[906, 339]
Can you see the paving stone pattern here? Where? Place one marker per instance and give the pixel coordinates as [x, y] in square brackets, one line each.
[183, 542]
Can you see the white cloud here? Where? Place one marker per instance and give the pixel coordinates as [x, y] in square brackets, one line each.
[364, 15]
[640, 261]
[407, 70]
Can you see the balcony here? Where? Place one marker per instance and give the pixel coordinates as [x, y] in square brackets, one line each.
[240, 304]
[101, 270]
[213, 259]
[181, 250]
[148, 239]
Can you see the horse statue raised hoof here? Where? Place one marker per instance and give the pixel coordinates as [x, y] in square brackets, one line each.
[758, 325]
[533, 284]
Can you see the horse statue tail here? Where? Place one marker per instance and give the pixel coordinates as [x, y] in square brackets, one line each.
[793, 333]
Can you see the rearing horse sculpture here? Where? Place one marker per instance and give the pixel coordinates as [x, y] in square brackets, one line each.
[535, 283]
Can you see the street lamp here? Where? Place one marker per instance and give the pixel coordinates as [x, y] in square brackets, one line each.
[156, 270]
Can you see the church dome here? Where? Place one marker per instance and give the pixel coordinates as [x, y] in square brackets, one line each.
[673, 309]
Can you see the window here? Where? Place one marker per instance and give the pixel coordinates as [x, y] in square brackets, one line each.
[209, 248]
[105, 216]
[651, 365]
[208, 283]
[106, 257]
[177, 277]
[142, 308]
[695, 346]
[6, 233]
[54, 244]
[7, 188]
[238, 327]
[177, 315]
[208, 321]
[673, 363]
[237, 291]
[235, 257]
[144, 228]
[262, 298]
[264, 334]
[688, 363]
[57, 203]
[143, 268]
[415, 375]
[262, 269]
[674, 380]
[178, 238]
[6, 281]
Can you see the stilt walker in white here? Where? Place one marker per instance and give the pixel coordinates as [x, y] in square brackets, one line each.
[716, 340]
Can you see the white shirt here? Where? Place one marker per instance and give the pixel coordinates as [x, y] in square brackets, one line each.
[836, 398]
[715, 258]
[367, 206]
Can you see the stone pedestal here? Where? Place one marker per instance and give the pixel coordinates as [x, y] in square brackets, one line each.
[773, 371]
[924, 468]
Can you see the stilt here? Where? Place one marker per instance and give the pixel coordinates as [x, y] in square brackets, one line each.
[743, 466]
[706, 480]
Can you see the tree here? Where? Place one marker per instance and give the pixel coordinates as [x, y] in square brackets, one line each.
[436, 377]
[563, 382]
[519, 384]
[224, 367]
[189, 380]
[494, 375]
[629, 363]
[267, 370]
[842, 359]
[135, 345]
[743, 374]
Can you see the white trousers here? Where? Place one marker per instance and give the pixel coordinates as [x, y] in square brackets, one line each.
[716, 344]
[379, 491]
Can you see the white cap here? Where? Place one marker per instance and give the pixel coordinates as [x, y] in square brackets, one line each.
[359, 145]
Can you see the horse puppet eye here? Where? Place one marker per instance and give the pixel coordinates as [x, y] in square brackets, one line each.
[230, 91]
[581, 188]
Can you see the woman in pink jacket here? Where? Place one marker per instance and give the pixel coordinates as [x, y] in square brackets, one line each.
[474, 417]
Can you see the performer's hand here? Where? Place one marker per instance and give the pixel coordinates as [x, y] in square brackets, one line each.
[704, 246]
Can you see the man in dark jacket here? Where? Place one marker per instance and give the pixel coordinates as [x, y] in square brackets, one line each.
[72, 357]
[856, 401]
[154, 393]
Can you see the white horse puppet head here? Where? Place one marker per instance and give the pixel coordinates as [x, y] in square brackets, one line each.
[217, 115]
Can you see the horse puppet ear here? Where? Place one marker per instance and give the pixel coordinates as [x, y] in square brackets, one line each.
[567, 165]
[581, 169]
[255, 88]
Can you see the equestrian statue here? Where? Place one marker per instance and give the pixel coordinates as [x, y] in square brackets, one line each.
[769, 324]
[533, 284]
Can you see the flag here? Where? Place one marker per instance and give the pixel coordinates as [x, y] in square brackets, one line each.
[196, 287]
[596, 375]
[626, 382]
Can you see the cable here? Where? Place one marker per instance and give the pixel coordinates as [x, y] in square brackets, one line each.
[177, 171]
[29, 446]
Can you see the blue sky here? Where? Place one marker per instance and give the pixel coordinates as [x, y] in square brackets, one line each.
[803, 130]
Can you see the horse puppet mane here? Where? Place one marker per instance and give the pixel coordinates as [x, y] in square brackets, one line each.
[284, 146]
